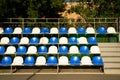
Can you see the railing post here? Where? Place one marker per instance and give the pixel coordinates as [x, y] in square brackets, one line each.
[119, 27]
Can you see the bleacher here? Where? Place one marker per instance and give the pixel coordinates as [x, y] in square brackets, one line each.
[28, 46]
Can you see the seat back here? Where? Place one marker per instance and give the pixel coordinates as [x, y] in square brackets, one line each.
[17, 30]
[86, 60]
[72, 30]
[27, 30]
[74, 60]
[8, 30]
[2, 49]
[42, 50]
[82, 40]
[32, 50]
[21, 50]
[36, 30]
[102, 30]
[81, 30]
[92, 40]
[111, 30]
[44, 40]
[14, 40]
[74, 50]
[24, 40]
[18, 60]
[63, 30]
[63, 40]
[63, 50]
[90, 30]
[1, 30]
[4, 40]
[95, 49]
[52, 60]
[34, 40]
[10, 50]
[63, 60]
[73, 40]
[45, 30]
[54, 30]
[84, 50]
[41, 60]
[53, 40]
[29, 61]
[97, 60]
[52, 50]
[6, 61]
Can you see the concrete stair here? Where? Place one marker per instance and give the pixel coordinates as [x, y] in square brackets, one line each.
[110, 53]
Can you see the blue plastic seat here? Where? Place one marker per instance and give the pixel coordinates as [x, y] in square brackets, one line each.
[81, 30]
[42, 50]
[29, 61]
[84, 50]
[97, 60]
[63, 50]
[14, 40]
[92, 40]
[21, 50]
[27, 30]
[63, 30]
[8, 30]
[73, 40]
[34, 40]
[6, 61]
[102, 30]
[53, 40]
[52, 60]
[74, 60]
[2, 49]
[45, 30]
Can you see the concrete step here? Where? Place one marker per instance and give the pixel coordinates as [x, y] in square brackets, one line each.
[110, 49]
[108, 44]
[112, 65]
[112, 71]
[111, 59]
[110, 54]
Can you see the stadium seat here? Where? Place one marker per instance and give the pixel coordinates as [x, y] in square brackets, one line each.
[10, 50]
[24, 40]
[36, 30]
[72, 30]
[52, 60]
[42, 50]
[97, 60]
[4, 40]
[82, 40]
[1, 30]
[74, 60]
[32, 50]
[63, 60]
[34, 40]
[2, 49]
[41, 60]
[45, 30]
[102, 30]
[81, 30]
[14, 40]
[111, 30]
[63, 50]
[44, 40]
[27, 30]
[6, 61]
[8, 30]
[95, 50]
[53, 40]
[17, 61]
[63, 40]
[54, 30]
[84, 50]
[90, 30]
[29, 61]
[63, 30]
[73, 40]
[92, 40]
[74, 50]
[17, 30]
[21, 50]
[86, 60]
[52, 50]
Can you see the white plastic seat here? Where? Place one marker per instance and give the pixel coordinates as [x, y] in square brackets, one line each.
[86, 60]
[36, 30]
[41, 60]
[17, 30]
[63, 60]
[24, 40]
[95, 50]
[72, 30]
[10, 50]
[111, 30]
[63, 40]
[54, 30]
[18, 60]
[44, 40]
[74, 50]
[82, 40]
[32, 50]
[90, 30]
[52, 50]
[1, 30]
[4, 40]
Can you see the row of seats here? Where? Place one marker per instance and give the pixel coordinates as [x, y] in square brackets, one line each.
[50, 50]
[45, 40]
[54, 30]
[51, 60]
